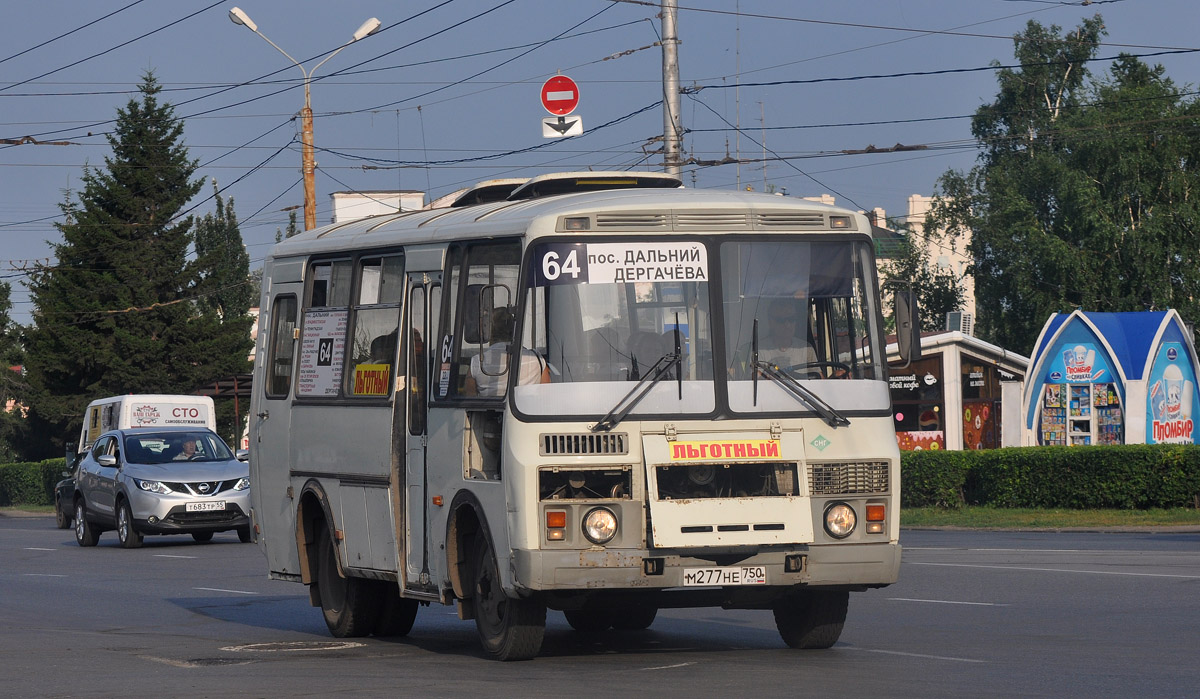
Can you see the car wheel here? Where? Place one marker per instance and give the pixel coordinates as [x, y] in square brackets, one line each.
[85, 533]
[61, 519]
[202, 536]
[127, 534]
[350, 605]
[811, 619]
[509, 628]
[244, 534]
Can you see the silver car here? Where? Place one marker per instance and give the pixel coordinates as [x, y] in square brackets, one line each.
[179, 480]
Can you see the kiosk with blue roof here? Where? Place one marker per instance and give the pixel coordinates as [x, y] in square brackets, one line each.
[1112, 378]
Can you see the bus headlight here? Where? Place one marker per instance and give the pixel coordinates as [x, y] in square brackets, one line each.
[840, 520]
[600, 525]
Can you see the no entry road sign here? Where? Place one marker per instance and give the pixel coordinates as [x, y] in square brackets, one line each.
[560, 95]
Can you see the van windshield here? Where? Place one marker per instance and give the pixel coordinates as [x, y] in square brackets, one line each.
[167, 447]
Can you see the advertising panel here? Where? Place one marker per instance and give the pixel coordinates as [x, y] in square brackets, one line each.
[1171, 400]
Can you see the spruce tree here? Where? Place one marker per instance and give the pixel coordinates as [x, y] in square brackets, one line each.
[118, 313]
[12, 381]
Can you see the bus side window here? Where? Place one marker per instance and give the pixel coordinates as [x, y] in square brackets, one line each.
[375, 327]
[489, 278]
[282, 345]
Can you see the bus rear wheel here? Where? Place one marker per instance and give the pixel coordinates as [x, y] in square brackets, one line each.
[509, 628]
[348, 604]
[811, 619]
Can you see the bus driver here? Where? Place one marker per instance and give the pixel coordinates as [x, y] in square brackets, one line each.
[489, 369]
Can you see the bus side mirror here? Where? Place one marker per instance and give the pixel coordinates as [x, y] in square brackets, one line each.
[908, 325]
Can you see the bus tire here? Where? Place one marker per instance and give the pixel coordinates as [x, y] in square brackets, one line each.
[588, 620]
[349, 605]
[634, 618]
[509, 628]
[396, 614]
[811, 619]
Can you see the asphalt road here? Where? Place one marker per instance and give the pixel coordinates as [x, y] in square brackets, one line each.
[974, 614]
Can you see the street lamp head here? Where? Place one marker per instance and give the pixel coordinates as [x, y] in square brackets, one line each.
[367, 29]
[237, 16]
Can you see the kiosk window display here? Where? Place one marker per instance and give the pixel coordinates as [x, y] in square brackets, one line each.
[1095, 375]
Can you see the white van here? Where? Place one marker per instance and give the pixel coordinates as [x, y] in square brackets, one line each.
[146, 410]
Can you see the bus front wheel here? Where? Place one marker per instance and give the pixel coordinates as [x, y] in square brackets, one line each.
[509, 628]
[811, 619]
[349, 604]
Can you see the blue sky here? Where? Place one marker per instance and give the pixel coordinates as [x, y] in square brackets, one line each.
[460, 80]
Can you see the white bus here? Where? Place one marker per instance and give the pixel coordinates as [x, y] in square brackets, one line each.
[691, 410]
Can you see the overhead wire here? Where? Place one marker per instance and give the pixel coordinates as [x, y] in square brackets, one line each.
[72, 31]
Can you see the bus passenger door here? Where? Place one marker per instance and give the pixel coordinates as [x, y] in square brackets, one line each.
[423, 295]
[270, 430]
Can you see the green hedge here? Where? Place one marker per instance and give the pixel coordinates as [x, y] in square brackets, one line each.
[30, 483]
[1134, 476]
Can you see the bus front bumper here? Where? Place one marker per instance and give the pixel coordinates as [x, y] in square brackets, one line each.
[840, 566]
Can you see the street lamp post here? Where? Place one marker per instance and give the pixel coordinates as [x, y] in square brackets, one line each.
[238, 16]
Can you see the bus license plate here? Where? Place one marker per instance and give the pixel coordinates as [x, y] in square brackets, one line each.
[728, 575]
[214, 506]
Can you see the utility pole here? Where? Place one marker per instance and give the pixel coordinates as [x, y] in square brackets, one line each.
[672, 127]
[308, 163]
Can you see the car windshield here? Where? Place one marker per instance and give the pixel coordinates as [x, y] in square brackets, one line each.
[167, 447]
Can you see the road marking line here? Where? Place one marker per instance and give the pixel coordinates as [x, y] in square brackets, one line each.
[38, 548]
[1061, 570]
[920, 655]
[217, 589]
[946, 601]
[44, 575]
[668, 667]
[167, 555]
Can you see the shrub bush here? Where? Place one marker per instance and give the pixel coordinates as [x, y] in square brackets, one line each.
[1134, 476]
[30, 482]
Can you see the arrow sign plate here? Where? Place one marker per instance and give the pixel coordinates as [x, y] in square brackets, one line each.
[557, 127]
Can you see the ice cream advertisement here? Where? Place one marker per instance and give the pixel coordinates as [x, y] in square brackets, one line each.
[1079, 363]
[1171, 397]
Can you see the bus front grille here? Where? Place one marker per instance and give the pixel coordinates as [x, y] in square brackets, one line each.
[848, 478]
[585, 444]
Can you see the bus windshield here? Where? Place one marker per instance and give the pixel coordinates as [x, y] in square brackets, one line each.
[799, 308]
[604, 313]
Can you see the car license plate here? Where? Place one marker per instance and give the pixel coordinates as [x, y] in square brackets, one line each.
[727, 575]
[214, 506]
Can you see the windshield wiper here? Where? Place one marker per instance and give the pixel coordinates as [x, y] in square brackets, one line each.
[635, 395]
[827, 412]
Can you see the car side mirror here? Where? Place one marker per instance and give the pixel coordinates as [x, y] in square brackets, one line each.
[106, 460]
[243, 455]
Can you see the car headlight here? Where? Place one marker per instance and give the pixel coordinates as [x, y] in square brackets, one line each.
[153, 486]
[600, 525]
[242, 484]
[840, 520]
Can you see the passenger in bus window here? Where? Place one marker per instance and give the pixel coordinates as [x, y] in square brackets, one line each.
[489, 369]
